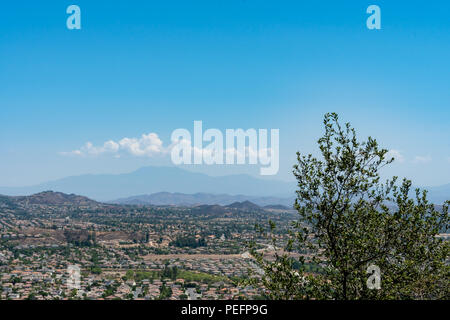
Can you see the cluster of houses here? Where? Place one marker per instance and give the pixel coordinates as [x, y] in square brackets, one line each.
[53, 284]
[43, 274]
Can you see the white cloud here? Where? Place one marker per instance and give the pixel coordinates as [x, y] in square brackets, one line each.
[108, 147]
[422, 159]
[396, 154]
[147, 145]
[71, 153]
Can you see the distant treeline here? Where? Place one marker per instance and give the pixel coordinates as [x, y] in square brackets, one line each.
[190, 242]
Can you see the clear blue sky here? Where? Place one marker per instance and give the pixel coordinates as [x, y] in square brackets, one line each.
[138, 67]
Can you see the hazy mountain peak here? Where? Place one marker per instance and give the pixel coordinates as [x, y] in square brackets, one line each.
[148, 180]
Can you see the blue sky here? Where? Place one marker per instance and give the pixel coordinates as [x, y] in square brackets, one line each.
[138, 67]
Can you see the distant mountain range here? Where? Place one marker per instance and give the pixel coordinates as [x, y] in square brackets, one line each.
[58, 199]
[148, 180]
[439, 194]
[183, 199]
[181, 187]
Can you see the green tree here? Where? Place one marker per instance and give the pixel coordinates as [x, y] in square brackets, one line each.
[350, 220]
[73, 293]
[165, 292]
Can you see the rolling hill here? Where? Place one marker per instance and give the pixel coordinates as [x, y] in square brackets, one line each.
[183, 199]
[48, 198]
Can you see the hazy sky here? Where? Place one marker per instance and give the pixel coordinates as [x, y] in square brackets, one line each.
[140, 67]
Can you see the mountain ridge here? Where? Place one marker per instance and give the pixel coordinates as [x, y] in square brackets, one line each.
[183, 199]
[150, 180]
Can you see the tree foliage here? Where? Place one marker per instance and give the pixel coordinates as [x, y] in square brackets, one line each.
[348, 220]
